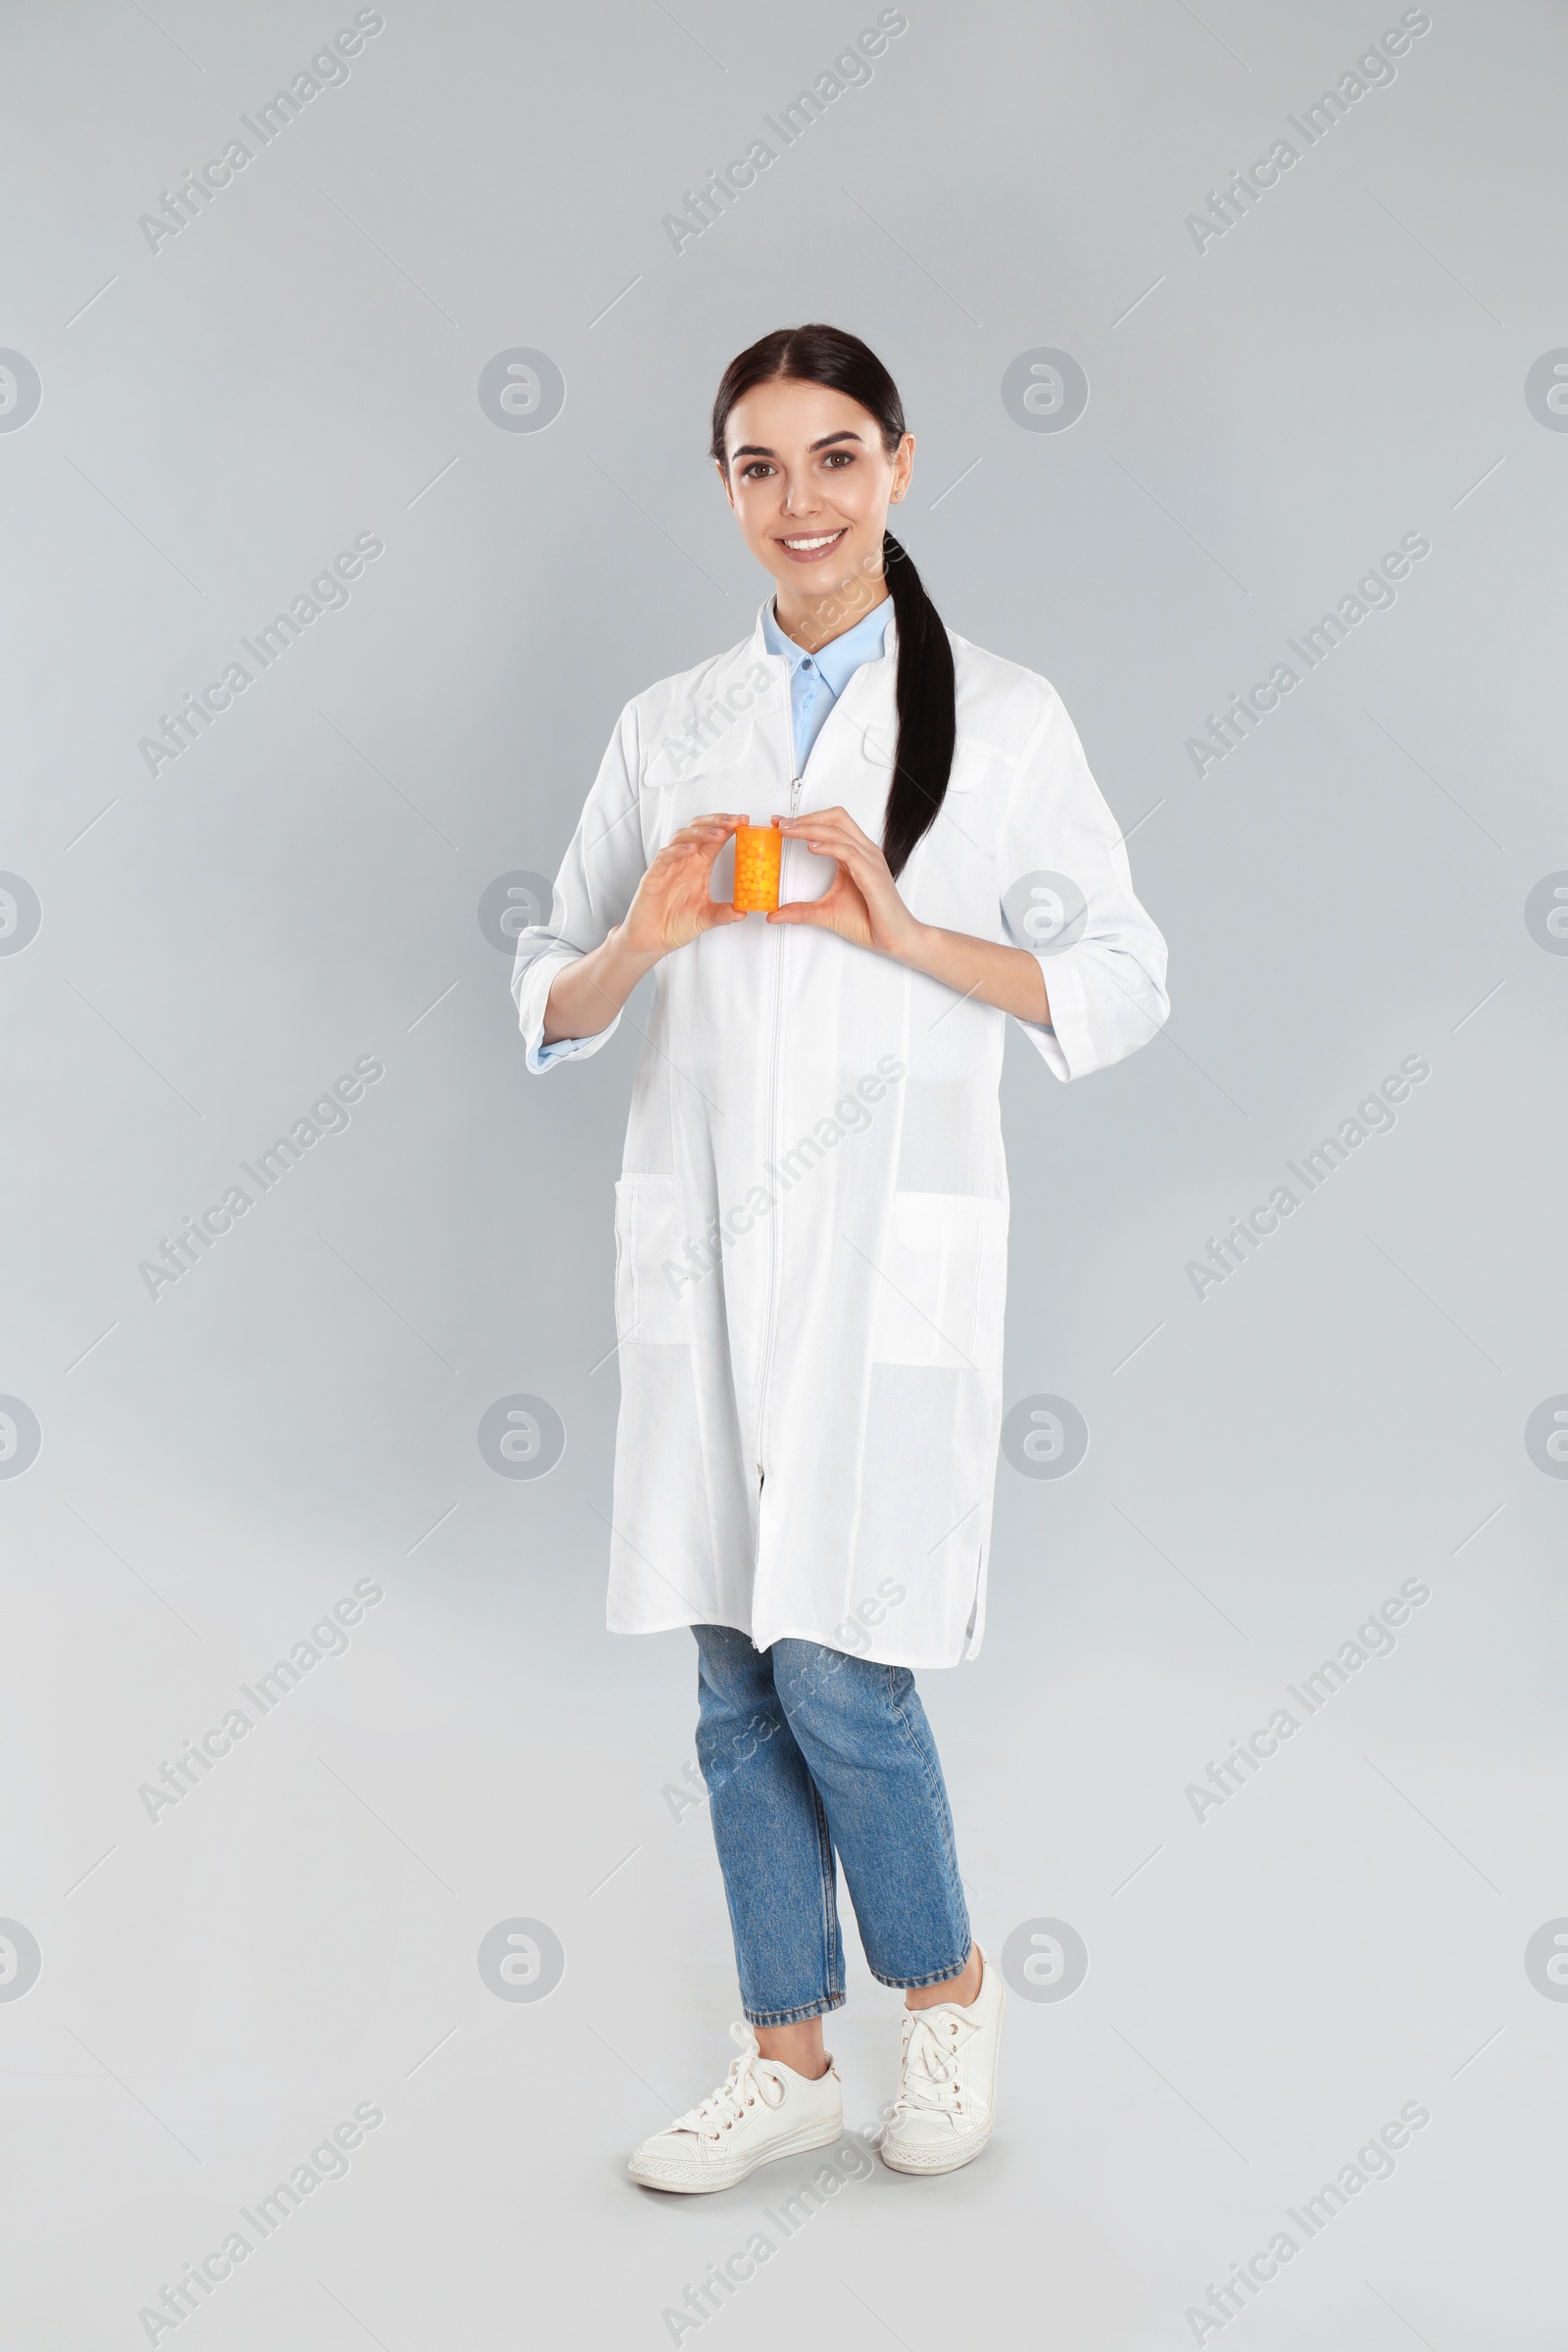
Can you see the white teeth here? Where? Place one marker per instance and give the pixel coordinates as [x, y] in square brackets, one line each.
[805, 545]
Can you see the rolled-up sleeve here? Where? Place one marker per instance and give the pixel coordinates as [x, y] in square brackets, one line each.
[1067, 899]
[598, 880]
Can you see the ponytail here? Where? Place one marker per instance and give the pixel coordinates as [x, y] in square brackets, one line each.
[928, 723]
[927, 720]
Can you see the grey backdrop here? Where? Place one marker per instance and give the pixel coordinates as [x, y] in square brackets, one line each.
[1270, 1979]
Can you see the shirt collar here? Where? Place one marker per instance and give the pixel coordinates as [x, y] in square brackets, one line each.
[838, 661]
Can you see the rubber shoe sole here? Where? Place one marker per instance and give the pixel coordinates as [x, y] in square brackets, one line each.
[962, 2154]
[695, 2179]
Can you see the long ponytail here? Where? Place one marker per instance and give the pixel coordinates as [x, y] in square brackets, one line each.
[927, 719]
[928, 723]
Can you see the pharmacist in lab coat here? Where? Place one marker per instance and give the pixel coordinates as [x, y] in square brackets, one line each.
[811, 1225]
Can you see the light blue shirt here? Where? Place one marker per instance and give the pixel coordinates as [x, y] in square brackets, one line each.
[816, 680]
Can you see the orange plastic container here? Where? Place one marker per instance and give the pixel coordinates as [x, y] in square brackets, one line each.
[757, 850]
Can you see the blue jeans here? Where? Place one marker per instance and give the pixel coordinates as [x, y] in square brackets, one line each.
[813, 1757]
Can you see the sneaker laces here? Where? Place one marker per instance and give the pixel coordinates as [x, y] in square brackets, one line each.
[748, 2081]
[930, 2067]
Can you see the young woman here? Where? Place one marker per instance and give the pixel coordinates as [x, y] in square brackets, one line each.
[810, 1229]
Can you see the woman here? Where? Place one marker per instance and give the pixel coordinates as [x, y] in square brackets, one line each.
[811, 1226]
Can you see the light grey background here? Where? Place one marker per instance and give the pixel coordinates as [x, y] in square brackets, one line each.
[300, 364]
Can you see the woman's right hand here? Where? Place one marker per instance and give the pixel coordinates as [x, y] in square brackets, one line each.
[670, 908]
[672, 905]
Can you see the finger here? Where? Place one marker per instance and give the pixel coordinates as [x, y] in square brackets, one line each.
[858, 858]
[713, 847]
[833, 841]
[708, 828]
[822, 820]
[824, 845]
[675, 862]
[803, 910]
[718, 816]
[862, 864]
[832, 900]
[700, 853]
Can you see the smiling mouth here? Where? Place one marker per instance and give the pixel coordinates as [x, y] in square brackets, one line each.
[810, 548]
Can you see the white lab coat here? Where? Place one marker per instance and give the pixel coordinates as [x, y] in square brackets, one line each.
[811, 1225]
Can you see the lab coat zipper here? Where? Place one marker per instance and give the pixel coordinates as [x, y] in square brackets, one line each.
[765, 1360]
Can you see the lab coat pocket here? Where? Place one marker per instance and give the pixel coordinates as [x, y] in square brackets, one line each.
[943, 1277]
[683, 758]
[653, 1274]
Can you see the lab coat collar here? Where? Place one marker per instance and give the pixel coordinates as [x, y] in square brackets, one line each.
[757, 643]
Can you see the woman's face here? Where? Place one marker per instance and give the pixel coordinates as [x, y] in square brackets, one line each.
[810, 485]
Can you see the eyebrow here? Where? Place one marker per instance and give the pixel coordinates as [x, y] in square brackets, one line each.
[755, 448]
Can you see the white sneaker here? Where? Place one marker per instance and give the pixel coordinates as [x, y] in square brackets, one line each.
[947, 2099]
[763, 2109]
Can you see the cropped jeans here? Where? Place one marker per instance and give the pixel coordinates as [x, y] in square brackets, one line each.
[812, 1757]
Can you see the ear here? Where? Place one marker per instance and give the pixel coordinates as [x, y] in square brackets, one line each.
[722, 471]
[902, 470]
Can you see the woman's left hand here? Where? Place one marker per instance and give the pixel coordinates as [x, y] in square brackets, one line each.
[862, 904]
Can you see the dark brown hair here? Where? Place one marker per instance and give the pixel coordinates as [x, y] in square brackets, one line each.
[927, 721]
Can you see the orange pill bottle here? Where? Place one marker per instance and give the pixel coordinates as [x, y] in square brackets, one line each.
[757, 850]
